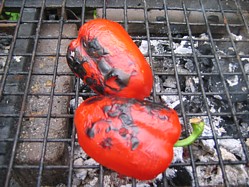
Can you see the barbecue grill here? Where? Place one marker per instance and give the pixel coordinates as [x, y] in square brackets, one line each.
[199, 54]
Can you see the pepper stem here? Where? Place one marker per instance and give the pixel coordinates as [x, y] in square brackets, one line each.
[198, 127]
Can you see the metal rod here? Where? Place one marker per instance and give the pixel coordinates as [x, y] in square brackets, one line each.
[13, 151]
[245, 78]
[183, 114]
[43, 152]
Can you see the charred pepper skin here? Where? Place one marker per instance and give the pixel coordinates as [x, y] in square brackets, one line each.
[105, 58]
[132, 137]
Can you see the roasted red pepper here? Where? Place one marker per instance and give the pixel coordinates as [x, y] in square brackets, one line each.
[134, 138]
[107, 59]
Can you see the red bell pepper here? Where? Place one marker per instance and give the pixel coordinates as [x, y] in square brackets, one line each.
[132, 137]
[105, 58]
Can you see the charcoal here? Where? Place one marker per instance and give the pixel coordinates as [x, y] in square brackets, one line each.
[205, 49]
[234, 83]
[189, 65]
[181, 177]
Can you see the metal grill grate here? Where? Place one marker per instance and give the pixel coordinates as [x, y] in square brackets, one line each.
[199, 54]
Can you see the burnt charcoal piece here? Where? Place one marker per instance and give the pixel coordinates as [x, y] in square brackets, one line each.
[205, 64]
[234, 83]
[181, 177]
[205, 49]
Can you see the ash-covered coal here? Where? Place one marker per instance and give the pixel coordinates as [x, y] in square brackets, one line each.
[205, 150]
[4, 48]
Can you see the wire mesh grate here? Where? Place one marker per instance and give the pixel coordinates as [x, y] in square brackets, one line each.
[200, 60]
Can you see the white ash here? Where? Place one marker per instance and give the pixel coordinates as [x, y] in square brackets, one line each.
[73, 103]
[226, 155]
[184, 47]
[237, 175]
[157, 84]
[230, 149]
[171, 100]
[4, 48]
[236, 37]
[90, 162]
[79, 153]
[246, 67]
[233, 146]
[17, 58]
[80, 173]
[244, 127]
[190, 84]
[233, 80]
[144, 47]
[204, 36]
[245, 59]
[247, 142]
[157, 47]
[138, 185]
[232, 67]
[178, 155]
[209, 175]
[170, 82]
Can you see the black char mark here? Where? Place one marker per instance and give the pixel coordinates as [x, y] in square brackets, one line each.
[123, 131]
[75, 62]
[90, 132]
[126, 119]
[93, 48]
[134, 143]
[122, 111]
[99, 88]
[121, 78]
[106, 143]
[104, 67]
[113, 110]
[97, 52]
[90, 81]
[128, 129]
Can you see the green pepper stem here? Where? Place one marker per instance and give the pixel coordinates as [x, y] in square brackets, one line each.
[198, 127]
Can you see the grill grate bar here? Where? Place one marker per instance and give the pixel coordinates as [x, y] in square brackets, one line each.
[12, 157]
[73, 135]
[148, 40]
[226, 92]
[179, 90]
[234, 46]
[245, 78]
[5, 73]
[39, 178]
[242, 15]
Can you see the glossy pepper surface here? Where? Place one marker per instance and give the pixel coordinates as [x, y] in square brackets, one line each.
[105, 58]
[132, 137]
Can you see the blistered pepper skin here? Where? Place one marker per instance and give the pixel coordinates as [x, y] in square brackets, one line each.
[132, 137]
[105, 58]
